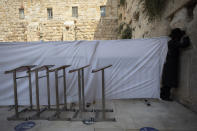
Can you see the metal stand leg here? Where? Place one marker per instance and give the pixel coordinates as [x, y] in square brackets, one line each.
[65, 97]
[59, 111]
[39, 110]
[56, 116]
[48, 89]
[15, 94]
[37, 93]
[103, 94]
[57, 93]
[103, 110]
[30, 89]
[14, 71]
[83, 98]
[79, 90]
[80, 113]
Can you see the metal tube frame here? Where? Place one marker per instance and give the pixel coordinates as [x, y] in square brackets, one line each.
[38, 110]
[37, 93]
[81, 95]
[48, 88]
[79, 90]
[57, 93]
[16, 106]
[103, 110]
[103, 94]
[65, 89]
[15, 94]
[30, 89]
[56, 116]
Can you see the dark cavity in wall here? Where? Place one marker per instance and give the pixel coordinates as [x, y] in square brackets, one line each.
[190, 8]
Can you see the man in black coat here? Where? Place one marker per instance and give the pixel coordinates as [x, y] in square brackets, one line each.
[170, 71]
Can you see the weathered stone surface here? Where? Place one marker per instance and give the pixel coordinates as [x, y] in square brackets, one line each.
[36, 26]
[180, 19]
[195, 12]
[141, 27]
[159, 27]
[192, 28]
[188, 73]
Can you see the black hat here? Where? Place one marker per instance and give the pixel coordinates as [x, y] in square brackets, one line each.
[177, 33]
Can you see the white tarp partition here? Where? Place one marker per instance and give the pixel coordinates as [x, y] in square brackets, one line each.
[136, 71]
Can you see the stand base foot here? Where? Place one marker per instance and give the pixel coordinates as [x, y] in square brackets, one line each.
[15, 118]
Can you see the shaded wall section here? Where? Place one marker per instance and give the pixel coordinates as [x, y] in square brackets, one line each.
[177, 14]
[187, 93]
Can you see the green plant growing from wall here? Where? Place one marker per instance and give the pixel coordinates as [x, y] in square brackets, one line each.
[153, 8]
[122, 2]
[127, 33]
[120, 28]
[124, 33]
[120, 16]
[136, 16]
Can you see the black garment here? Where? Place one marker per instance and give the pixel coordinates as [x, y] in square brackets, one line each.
[165, 93]
[170, 71]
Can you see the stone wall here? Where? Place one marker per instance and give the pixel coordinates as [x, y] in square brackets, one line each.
[187, 93]
[36, 26]
[177, 14]
[132, 14]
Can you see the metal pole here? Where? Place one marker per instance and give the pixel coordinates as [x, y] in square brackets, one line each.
[103, 93]
[30, 89]
[15, 94]
[79, 90]
[37, 92]
[83, 98]
[48, 88]
[65, 97]
[57, 93]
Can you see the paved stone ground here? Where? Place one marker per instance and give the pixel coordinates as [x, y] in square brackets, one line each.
[131, 115]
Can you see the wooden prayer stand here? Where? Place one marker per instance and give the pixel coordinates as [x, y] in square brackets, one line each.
[14, 71]
[56, 116]
[81, 96]
[103, 110]
[37, 77]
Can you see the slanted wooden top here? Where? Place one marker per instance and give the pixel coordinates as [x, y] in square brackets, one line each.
[20, 69]
[41, 68]
[78, 68]
[96, 70]
[60, 68]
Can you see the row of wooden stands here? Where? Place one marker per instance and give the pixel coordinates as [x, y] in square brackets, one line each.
[57, 109]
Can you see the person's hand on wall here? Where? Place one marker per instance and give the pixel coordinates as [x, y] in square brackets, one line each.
[185, 42]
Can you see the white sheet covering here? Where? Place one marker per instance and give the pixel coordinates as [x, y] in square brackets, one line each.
[136, 71]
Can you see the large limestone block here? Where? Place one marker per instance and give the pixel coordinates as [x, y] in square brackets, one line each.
[195, 12]
[180, 19]
[192, 30]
